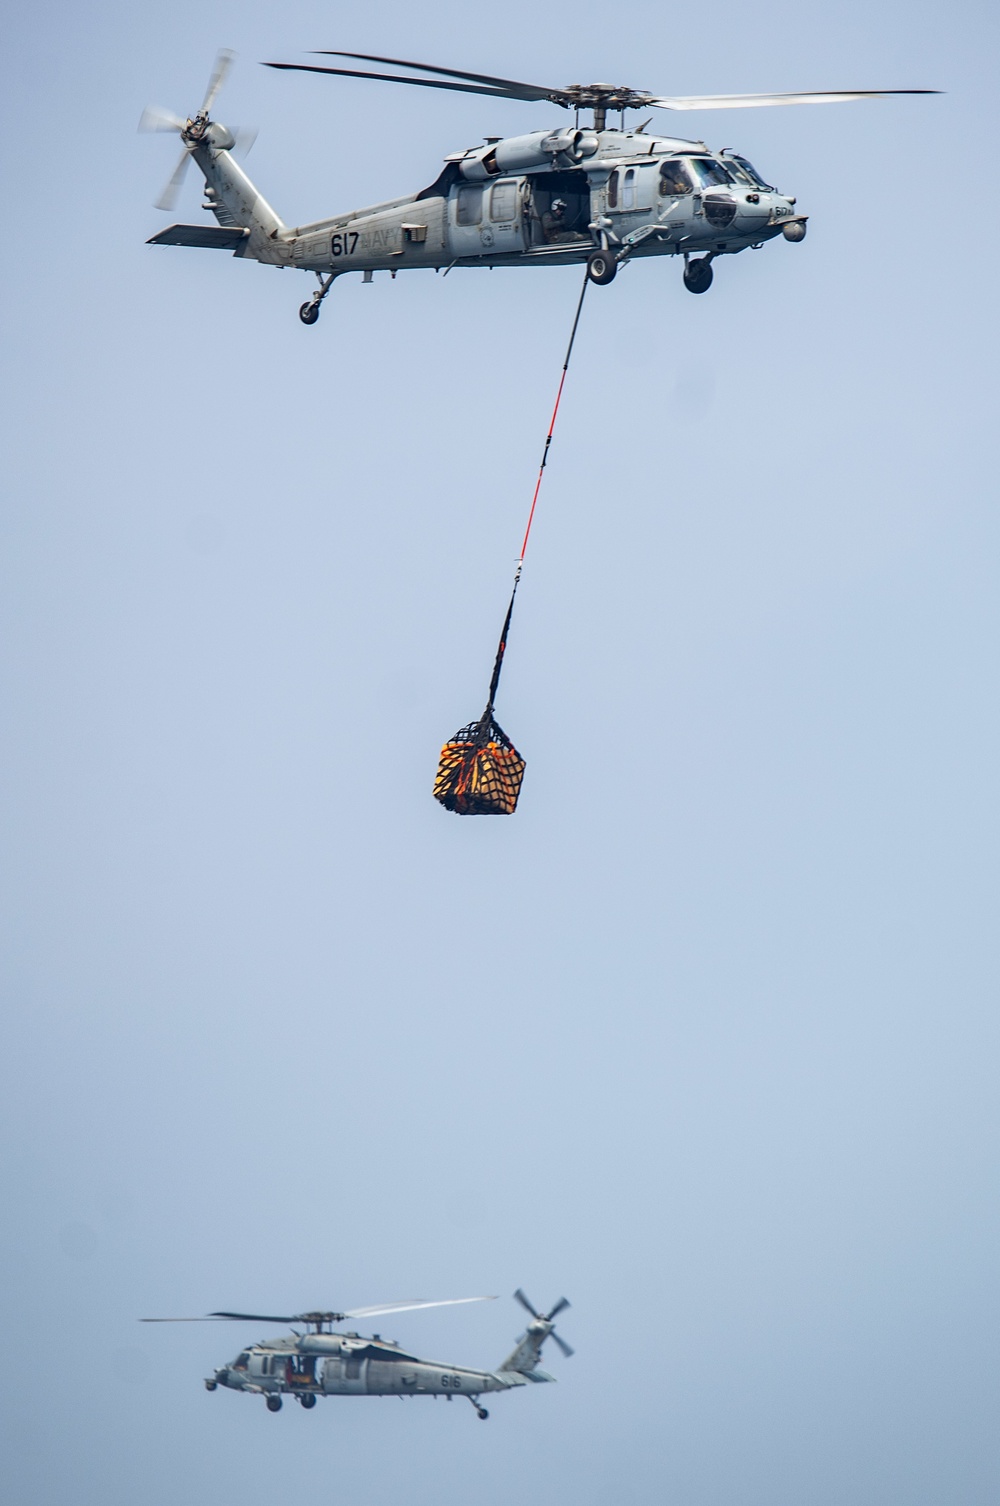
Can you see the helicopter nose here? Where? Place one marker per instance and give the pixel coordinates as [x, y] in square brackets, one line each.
[754, 207]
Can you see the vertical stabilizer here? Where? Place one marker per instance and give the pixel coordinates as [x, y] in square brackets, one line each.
[233, 198]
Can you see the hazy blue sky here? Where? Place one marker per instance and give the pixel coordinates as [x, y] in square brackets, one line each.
[706, 1036]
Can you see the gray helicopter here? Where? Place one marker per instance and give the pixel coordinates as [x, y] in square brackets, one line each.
[320, 1362]
[557, 195]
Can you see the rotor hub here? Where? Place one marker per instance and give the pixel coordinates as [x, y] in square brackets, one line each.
[606, 96]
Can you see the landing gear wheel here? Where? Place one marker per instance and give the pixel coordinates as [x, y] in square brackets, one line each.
[211, 1385]
[274, 1403]
[307, 1400]
[309, 313]
[482, 1414]
[601, 267]
[698, 275]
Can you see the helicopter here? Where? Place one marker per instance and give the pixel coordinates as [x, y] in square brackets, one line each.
[321, 1362]
[557, 195]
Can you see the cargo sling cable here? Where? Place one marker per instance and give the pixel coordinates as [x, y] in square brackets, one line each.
[480, 771]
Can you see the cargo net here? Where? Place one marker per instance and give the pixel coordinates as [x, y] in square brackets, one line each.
[480, 771]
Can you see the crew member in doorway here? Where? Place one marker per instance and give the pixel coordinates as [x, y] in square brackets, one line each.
[554, 221]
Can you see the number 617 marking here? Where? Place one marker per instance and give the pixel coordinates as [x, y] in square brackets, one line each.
[343, 245]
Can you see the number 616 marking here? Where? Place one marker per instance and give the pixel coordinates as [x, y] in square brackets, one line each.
[451, 1381]
[343, 245]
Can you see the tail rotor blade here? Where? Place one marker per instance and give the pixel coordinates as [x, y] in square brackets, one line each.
[244, 136]
[567, 1351]
[560, 1306]
[223, 63]
[520, 1297]
[155, 119]
[168, 197]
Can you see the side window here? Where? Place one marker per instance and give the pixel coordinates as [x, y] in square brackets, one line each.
[674, 178]
[353, 1367]
[470, 204]
[613, 190]
[628, 189]
[503, 200]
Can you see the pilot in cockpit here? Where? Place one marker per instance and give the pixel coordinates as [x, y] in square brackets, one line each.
[674, 178]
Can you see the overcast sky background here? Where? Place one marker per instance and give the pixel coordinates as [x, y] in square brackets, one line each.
[706, 1035]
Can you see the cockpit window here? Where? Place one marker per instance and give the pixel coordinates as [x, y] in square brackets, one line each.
[751, 172]
[674, 178]
[709, 174]
[740, 173]
[242, 1360]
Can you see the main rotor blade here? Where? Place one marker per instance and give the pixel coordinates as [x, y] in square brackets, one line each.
[520, 1297]
[560, 1306]
[747, 101]
[155, 119]
[425, 83]
[405, 1307]
[525, 91]
[223, 63]
[566, 1349]
[219, 1318]
[332, 1317]
[252, 1318]
[168, 197]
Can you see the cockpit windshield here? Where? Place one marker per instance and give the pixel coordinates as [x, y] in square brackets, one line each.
[740, 173]
[749, 170]
[709, 174]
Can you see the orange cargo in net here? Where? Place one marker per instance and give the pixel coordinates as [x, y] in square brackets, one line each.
[480, 772]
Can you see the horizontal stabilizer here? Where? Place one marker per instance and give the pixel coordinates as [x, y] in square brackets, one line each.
[216, 237]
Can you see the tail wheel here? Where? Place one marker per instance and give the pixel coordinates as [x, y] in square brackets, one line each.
[309, 313]
[482, 1414]
[601, 267]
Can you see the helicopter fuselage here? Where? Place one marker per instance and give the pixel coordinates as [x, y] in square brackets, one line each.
[546, 198]
[332, 1364]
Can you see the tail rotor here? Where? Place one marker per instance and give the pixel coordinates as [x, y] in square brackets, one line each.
[542, 1327]
[194, 130]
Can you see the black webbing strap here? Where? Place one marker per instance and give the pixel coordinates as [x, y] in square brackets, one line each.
[487, 716]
